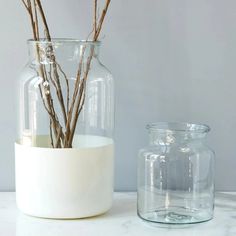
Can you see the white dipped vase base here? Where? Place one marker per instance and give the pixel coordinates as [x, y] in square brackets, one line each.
[65, 183]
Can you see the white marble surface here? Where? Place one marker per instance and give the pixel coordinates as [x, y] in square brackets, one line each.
[121, 220]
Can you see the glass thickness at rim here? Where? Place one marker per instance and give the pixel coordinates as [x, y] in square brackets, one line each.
[178, 127]
[63, 40]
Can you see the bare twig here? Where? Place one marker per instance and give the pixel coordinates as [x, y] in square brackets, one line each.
[58, 138]
[51, 135]
[46, 96]
[36, 24]
[95, 17]
[59, 91]
[50, 77]
[26, 5]
[41, 11]
[81, 95]
[67, 87]
[99, 27]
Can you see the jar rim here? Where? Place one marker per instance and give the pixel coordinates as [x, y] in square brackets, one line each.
[178, 127]
[64, 40]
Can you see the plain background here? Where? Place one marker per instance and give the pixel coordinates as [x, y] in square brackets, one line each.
[172, 60]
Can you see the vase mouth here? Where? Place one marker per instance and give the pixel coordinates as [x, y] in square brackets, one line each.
[41, 51]
[180, 127]
[63, 41]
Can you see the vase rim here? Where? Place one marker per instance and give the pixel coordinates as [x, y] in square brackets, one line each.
[64, 40]
[178, 127]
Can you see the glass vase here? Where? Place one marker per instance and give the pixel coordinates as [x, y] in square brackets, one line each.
[53, 87]
[64, 150]
[176, 175]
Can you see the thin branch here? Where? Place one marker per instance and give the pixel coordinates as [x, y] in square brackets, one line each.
[77, 113]
[45, 94]
[52, 57]
[59, 92]
[81, 95]
[41, 11]
[30, 11]
[99, 27]
[51, 135]
[75, 93]
[36, 24]
[50, 77]
[58, 137]
[26, 6]
[67, 86]
[95, 17]
[44, 103]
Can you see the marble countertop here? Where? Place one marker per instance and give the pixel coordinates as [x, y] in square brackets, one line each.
[120, 220]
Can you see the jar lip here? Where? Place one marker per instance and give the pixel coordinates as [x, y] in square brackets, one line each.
[64, 40]
[178, 127]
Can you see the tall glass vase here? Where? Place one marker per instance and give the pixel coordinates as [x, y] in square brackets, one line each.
[64, 149]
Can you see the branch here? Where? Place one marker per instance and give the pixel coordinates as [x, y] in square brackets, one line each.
[104, 12]
[41, 11]
[36, 24]
[67, 86]
[26, 6]
[81, 97]
[78, 106]
[95, 17]
[30, 12]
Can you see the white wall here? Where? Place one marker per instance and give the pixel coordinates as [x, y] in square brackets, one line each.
[172, 60]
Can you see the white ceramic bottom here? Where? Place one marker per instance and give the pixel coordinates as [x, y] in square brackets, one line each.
[65, 183]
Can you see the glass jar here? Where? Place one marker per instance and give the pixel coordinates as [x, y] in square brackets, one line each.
[176, 175]
[64, 152]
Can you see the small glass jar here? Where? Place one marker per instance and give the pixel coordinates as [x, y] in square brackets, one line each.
[176, 175]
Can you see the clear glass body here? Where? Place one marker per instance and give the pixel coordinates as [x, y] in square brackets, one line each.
[48, 85]
[176, 175]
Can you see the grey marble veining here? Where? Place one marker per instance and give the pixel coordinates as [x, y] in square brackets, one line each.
[120, 220]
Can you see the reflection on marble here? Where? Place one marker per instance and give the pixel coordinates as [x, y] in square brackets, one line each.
[121, 220]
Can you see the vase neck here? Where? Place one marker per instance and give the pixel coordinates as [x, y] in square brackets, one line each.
[169, 133]
[45, 52]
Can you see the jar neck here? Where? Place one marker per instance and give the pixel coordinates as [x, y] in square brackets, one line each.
[45, 52]
[169, 137]
[171, 133]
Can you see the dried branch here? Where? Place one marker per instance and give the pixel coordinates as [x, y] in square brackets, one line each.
[58, 138]
[36, 24]
[51, 135]
[99, 27]
[52, 57]
[59, 92]
[95, 17]
[50, 77]
[79, 107]
[67, 87]
[45, 95]
[74, 97]
[41, 11]
[26, 5]
[81, 95]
